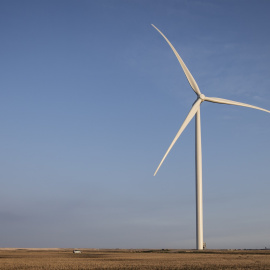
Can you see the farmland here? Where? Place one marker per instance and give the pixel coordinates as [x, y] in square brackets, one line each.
[133, 259]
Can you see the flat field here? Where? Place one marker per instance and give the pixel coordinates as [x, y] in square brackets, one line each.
[133, 259]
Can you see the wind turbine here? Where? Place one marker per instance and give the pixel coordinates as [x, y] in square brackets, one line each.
[196, 110]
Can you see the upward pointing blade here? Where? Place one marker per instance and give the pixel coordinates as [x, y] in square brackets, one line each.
[190, 115]
[231, 102]
[190, 78]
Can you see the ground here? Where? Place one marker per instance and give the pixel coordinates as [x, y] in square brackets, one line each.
[133, 259]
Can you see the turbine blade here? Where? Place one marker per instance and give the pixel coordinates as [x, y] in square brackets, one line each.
[190, 115]
[231, 102]
[190, 78]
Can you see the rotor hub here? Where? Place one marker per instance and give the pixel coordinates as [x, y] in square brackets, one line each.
[202, 97]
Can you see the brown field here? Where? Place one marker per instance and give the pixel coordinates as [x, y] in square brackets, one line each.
[133, 259]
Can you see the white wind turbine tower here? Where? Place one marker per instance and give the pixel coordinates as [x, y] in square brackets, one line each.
[196, 110]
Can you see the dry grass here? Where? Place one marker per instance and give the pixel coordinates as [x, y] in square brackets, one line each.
[133, 259]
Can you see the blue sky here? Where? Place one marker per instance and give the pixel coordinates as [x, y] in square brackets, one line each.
[92, 96]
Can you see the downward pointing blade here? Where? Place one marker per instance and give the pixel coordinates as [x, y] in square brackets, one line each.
[230, 102]
[190, 78]
[190, 115]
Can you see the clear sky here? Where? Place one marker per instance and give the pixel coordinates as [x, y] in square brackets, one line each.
[92, 96]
